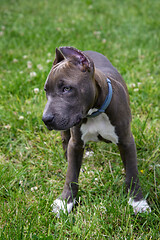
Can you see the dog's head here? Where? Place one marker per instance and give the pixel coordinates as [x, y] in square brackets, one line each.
[70, 89]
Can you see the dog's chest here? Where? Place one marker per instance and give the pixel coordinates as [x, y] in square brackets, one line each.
[97, 127]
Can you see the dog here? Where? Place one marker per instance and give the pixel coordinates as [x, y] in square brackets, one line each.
[87, 100]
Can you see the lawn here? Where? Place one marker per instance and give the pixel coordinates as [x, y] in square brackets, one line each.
[32, 163]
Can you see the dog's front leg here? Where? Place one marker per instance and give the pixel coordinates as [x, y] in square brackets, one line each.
[74, 156]
[129, 157]
[65, 135]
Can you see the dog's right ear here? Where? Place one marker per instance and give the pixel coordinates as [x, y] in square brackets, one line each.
[78, 58]
[59, 57]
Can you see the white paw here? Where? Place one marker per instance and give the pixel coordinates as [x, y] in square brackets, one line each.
[61, 205]
[139, 206]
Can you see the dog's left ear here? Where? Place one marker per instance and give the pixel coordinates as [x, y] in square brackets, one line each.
[78, 58]
[59, 57]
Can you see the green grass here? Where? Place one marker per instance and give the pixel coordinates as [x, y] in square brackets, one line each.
[32, 164]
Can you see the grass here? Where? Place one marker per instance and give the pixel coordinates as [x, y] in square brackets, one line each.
[32, 164]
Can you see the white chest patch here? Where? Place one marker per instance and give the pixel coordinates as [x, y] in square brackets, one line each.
[96, 126]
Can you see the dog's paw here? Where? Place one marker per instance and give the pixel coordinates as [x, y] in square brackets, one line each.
[139, 206]
[62, 205]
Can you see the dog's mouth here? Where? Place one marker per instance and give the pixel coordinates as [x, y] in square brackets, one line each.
[50, 128]
[62, 124]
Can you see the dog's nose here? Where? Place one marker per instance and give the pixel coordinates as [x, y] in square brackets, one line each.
[47, 119]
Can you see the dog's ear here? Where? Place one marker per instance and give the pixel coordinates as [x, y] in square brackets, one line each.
[59, 57]
[78, 58]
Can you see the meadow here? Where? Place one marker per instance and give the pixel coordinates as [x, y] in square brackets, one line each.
[32, 163]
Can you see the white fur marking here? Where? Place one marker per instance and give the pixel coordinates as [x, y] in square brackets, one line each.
[61, 205]
[99, 125]
[139, 206]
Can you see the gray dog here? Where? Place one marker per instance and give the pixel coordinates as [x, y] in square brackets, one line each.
[87, 99]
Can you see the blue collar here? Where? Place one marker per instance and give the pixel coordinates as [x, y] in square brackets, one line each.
[106, 102]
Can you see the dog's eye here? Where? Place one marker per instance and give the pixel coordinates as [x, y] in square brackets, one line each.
[66, 89]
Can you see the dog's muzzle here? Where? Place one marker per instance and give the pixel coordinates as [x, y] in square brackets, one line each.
[58, 122]
[48, 120]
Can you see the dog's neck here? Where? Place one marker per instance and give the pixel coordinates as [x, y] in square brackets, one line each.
[101, 88]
